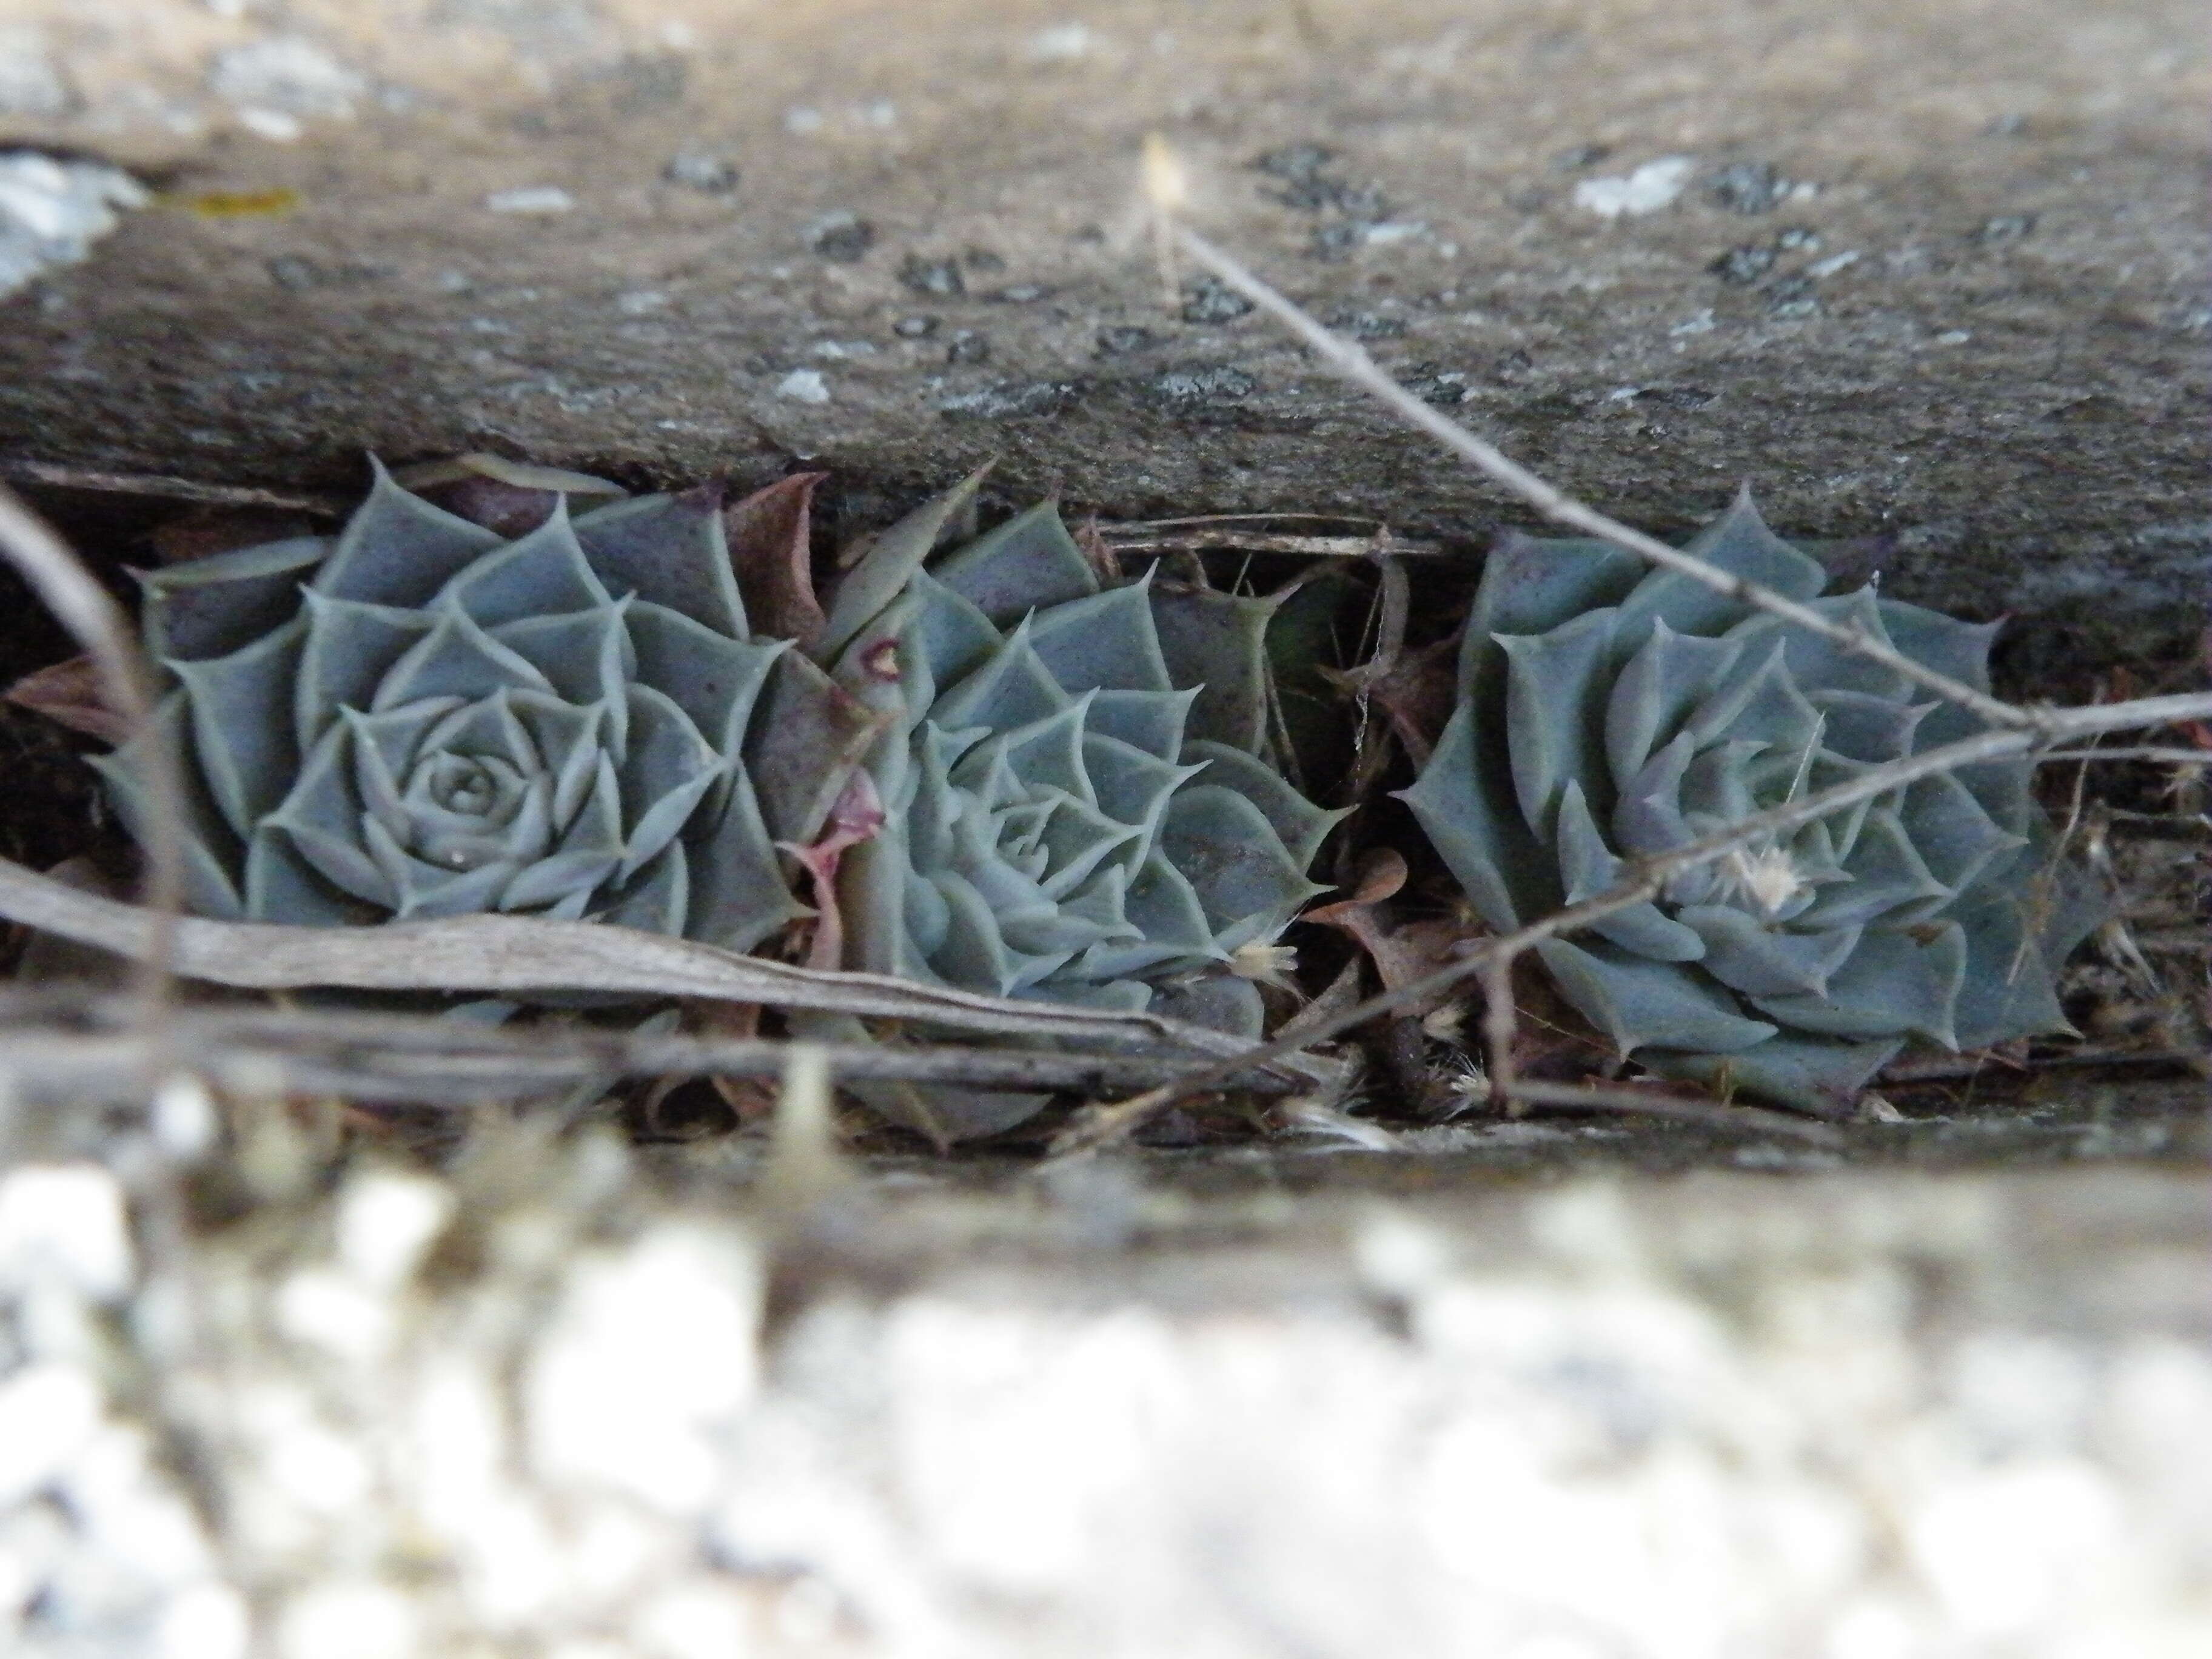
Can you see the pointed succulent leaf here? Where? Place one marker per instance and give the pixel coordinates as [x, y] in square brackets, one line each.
[1739, 543]
[1821, 1077]
[1531, 585]
[881, 576]
[1892, 983]
[544, 573]
[1103, 641]
[242, 728]
[1216, 643]
[398, 549]
[1556, 689]
[1476, 826]
[1028, 563]
[208, 846]
[669, 551]
[1299, 826]
[1657, 689]
[212, 607]
[1639, 1002]
[770, 555]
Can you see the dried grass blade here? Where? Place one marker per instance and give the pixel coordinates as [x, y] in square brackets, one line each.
[522, 955]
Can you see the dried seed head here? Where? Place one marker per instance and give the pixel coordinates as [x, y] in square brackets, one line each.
[1266, 964]
[1768, 876]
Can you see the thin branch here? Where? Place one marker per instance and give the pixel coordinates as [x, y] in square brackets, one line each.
[1680, 1108]
[163, 487]
[1138, 539]
[421, 1060]
[528, 954]
[1349, 361]
[1950, 1069]
[97, 624]
[2174, 756]
[1646, 879]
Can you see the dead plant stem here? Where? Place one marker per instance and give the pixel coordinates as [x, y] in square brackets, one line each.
[1348, 359]
[1104, 1125]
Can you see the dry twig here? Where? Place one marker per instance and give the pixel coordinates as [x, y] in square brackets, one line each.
[524, 955]
[159, 486]
[1103, 1125]
[94, 621]
[1349, 361]
[70, 1050]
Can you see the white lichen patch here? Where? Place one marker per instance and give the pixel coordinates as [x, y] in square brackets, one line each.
[803, 386]
[541, 201]
[1653, 186]
[287, 74]
[53, 212]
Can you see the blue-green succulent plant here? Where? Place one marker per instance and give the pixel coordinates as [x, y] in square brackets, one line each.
[1080, 805]
[1608, 712]
[421, 717]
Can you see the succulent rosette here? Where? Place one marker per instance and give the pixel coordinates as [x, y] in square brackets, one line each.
[422, 717]
[1608, 712]
[1079, 805]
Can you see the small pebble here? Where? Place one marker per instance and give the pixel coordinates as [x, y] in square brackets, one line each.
[293, 271]
[1215, 383]
[983, 259]
[842, 237]
[968, 345]
[1366, 324]
[940, 276]
[803, 386]
[1793, 296]
[1020, 294]
[290, 270]
[1003, 403]
[1746, 187]
[2007, 228]
[1576, 157]
[1119, 342]
[1062, 43]
[916, 328]
[534, 199]
[1653, 186]
[1744, 264]
[1334, 242]
[1294, 161]
[1797, 238]
[1396, 230]
[1208, 300]
[1675, 397]
[1443, 388]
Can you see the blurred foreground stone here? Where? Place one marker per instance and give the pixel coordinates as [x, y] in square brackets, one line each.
[547, 1408]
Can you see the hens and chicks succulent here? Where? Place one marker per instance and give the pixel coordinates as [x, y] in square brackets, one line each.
[1607, 712]
[1069, 782]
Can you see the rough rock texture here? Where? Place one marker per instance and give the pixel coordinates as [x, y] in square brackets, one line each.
[1927, 274]
[545, 1408]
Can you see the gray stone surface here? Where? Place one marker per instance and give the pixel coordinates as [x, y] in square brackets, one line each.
[1934, 273]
